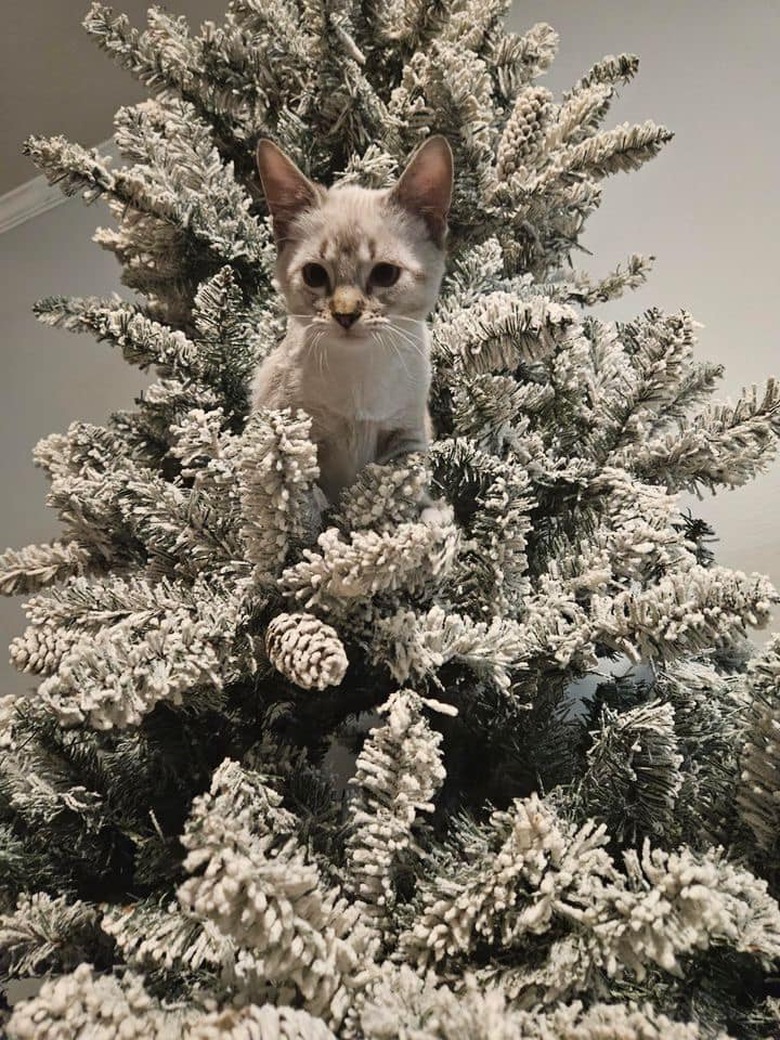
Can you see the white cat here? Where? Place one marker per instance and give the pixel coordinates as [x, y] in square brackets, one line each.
[360, 270]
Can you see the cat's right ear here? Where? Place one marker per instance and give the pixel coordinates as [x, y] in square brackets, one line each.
[287, 191]
[425, 186]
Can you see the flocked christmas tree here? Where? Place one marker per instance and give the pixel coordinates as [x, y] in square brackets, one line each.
[507, 859]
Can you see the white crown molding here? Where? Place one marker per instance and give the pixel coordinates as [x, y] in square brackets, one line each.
[27, 201]
[34, 197]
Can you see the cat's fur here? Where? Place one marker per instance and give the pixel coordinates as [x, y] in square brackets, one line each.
[356, 354]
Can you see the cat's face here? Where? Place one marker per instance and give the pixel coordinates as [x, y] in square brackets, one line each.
[353, 261]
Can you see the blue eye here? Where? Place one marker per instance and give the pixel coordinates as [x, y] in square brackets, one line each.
[314, 275]
[384, 275]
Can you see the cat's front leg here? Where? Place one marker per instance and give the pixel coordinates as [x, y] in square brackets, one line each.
[403, 442]
[394, 444]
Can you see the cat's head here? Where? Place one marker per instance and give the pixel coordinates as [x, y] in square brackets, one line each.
[352, 259]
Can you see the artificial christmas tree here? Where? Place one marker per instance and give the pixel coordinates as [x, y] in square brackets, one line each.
[507, 859]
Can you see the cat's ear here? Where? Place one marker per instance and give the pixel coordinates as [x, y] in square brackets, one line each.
[287, 191]
[425, 186]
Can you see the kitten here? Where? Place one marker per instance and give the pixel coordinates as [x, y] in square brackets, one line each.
[360, 270]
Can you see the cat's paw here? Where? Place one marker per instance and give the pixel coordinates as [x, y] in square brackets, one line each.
[320, 499]
[318, 506]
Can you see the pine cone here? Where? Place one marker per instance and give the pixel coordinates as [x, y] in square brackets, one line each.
[306, 650]
[523, 131]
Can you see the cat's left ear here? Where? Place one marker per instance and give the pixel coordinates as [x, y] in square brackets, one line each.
[425, 186]
[287, 191]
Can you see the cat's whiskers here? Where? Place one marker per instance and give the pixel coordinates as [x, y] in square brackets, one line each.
[400, 317]
[321, 353]
[401, 341]
[305, 320]
[315, 339]
[410, 341]
[313, 343]
[324, 352]
[393, 346]
[388, 324]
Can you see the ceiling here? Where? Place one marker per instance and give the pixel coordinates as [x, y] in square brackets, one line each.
[54, 79]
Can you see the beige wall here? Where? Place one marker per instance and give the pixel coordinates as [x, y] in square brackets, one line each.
[707, 208]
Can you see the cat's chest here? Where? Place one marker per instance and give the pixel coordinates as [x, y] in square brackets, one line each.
[358, 389]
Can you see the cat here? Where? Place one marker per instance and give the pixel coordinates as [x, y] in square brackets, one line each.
[360, 270]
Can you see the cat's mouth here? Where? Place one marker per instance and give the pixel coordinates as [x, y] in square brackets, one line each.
[341, 330]
[350, 330]
[346, 321]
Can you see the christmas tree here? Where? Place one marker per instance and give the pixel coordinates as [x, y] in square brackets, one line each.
[505, 856]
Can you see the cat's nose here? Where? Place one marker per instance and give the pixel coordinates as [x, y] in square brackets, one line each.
[346, 305]
[346, 319]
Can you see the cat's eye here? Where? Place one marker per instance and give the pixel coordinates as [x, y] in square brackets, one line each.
[314, 275]
[384, 275]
